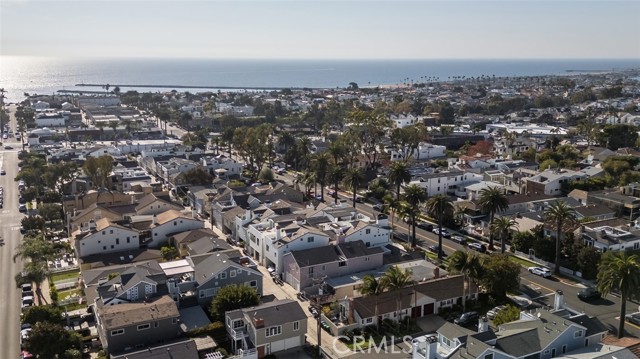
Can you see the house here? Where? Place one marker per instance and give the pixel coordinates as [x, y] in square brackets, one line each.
[304, 268]
[540, 334]
[474, 190]
[133, 284]
[104, 236]
[185, 349]
[169, 223]
[446, 182]
[128, 326]
[550, 181]
[402, 120]
[267, 328]
[198, 241]
[611, 235]
[414, 301]
[154, 204]
[423, 152]
[199, 197]
[624, 200]
[217, 270]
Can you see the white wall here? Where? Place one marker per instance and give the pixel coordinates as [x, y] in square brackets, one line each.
[161, 233]
[376, 237]
[102, 241]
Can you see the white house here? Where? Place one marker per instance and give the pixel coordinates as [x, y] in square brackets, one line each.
[402, 120]
[169, 223]
[221, 165]
[103, 236]
[446, 182]
[40, 105]
[550, 181]
[423, 152]
[50, 120]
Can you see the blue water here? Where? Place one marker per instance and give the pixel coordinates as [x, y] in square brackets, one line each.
[45, 76]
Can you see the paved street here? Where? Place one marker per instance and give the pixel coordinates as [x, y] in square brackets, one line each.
[9, 230]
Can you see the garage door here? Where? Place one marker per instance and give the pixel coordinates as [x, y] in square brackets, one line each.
[427, 309]
[292, 342]
[277, 346]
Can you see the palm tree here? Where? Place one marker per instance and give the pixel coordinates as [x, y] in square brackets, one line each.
[468, 264]
[392, 205]
[502, 226]
[321, 167]
[101, 125]
[492, 200]
[336, 173]
[397, 279]
[560, 214]
[373, 286]
[414, 195]
[286, 140]
[353, 179]
[619, 271]
[438, 207]
[399, 174]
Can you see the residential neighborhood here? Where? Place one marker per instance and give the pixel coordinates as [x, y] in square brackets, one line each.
[472, 218]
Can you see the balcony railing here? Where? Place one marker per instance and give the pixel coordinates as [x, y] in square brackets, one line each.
[238, 334]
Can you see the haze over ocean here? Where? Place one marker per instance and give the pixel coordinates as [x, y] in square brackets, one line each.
[45, 75]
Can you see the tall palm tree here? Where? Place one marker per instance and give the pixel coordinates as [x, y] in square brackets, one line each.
[321, 167]
[353, 179]
[336, 173]
[469, 265]
[392, 205]
[502, 226]
[373, 286]
[619, 271]
[414, 195]
[286, 140]
[114, 127]
[399, 174]
[560, 214]
[397, 279]
[492, 200]
[438, 207]
[101, 125]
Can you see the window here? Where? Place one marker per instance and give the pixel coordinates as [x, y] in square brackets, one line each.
[577, 334]
[488, 356]
[324, 267]
[111, 231]
[117, 332]
[174, 320]
[271, 331]
[296, 325]
[232, 273]
[104, 248]
[267, 247]
[128, 240]
[546, 351]
[155, 324]
[112, 246]
[310, 240]
[369, 320]
[564, 349]
[104, 232]
[366, 259]
[446, 341]
[310, 270]
[117, 241]
[253, 283]
[238, 324]
[367, 231]
[144, 326]
[223, 275]
[342, 263]
[175, 223]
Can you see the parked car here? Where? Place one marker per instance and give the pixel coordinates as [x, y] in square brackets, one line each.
[27, 302]
[27, 294]
[377, 207]
[477, 247]
[459, 239]
[401, 236]
[26, 288]
[445, 233]
[3, 172]
[7, 147]
[633, 318]
[434, 248]
[588, 293]
[493, 312]
[313, 311]
[426, 226]
[467, 318]
[22, 208]
[541, 271]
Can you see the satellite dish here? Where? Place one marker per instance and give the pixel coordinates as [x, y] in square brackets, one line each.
[538, 315]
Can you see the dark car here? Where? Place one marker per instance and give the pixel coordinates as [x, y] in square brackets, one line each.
[588, 293]
[477, 247]
[434, 249]
[22, 200]
[467, 318]
[633, 318]
[403, 237]
[426, 226]
[377, 207]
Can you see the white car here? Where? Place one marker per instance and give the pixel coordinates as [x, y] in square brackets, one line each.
[541, 271]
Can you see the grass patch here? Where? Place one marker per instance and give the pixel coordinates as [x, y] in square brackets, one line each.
[62, 295]
[360, 345]
[523, 262]
[64, 276]
[75, 306]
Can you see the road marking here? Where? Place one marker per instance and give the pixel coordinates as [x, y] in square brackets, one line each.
[15, 228]
[542, 296]
[5, 211]
[538, 284]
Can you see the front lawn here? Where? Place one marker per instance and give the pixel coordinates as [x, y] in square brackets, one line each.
[523, 262]
[62, 295]
[360, 345]
[65, 276]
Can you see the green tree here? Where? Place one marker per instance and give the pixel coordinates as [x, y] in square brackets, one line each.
[392, 204]
[99, 170]
[373, 286]
[336, 174]
[232, 297]
[50, 211]
[618, 136]
[502, 227]
[169, 252]
[266, 175]
[439, 207]
[198, 177]
[321, 163]
[414, 195]
[47, 340]
[353, 180]
[508, 314]
[619, 271]
[468, 264]
[42, 313]
[399, 174]
[492, 200]
[397, 279]
[500, 275]
[32, 223]
[588, 259]
[559, 214]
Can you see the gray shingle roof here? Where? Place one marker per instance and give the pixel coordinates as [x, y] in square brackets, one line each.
[273, 313]
[127, 314]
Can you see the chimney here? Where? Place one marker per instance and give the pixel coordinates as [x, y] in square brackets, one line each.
[382, 220]
[154, 220]
[558, 301]
[432, 347]
[258, 322]
[436, 272]
[483, 324]
[277, 229]
[247, 214]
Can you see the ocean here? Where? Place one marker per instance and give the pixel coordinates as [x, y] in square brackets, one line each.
[34, 75]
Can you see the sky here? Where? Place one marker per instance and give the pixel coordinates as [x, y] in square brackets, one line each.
[321, 29]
